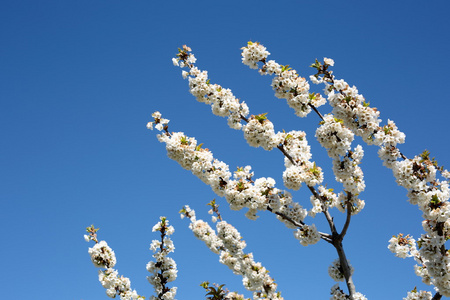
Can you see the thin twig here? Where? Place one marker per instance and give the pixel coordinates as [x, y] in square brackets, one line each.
[288, 156]
[316, 111]
[325, 236]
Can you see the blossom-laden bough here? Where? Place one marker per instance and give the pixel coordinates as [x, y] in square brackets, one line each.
[163, 270]
[351, 115]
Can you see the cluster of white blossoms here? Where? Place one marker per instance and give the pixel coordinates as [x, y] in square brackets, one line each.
[387, 137]
[184, 57]
[435, 262]
[253, 53]
[102, 256]
[351, 107]
[299, 167]
[338, 294]
[417, 175]
[116, 285]
[287, 84]
[421, 295]
[164, 269]
[228, 243]
[327, 199]
[223, 102]
[413, 175]
[198, 160]
[335, 270]
[307, 235]
[241, 191]
[334, 136]
[363, 120]
[356, 114]
[158, 122]
[348, 172]
[202, 230]
[259, 132]
[351, 116]
[403, 246]
[235, 296]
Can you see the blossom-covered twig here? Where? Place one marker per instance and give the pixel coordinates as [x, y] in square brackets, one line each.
[102, 256]
[242, 191]
[163, 269]
[227, 242]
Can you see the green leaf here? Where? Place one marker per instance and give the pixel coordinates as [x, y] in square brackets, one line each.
[285, 68]
[212, 203]
[339, 121]
[435, 200]
[261, 117]
[184, 141]
[425, 155]
[317, 65]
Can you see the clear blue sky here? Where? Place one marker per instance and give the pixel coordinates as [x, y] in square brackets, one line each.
[80, 79]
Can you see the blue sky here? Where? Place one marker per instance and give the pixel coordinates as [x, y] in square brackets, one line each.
[80, 79]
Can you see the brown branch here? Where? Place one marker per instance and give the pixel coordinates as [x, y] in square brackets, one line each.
[345, 267]
[330, 222]
[325, 236]
[436, 296]
[347, 221]
[288, 156]
[300, 225]
[316, 111]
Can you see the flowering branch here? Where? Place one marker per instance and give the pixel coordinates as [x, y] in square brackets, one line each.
[227, 242]
[259, 132]
[164, 270]
[351, 115]
[416, 175]
[243, 191]
[102, 256]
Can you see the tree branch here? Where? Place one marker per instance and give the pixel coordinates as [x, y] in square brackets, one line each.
[437, 296]
[347, 221]
[316, 111]
[345, 267]
[325, 236]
